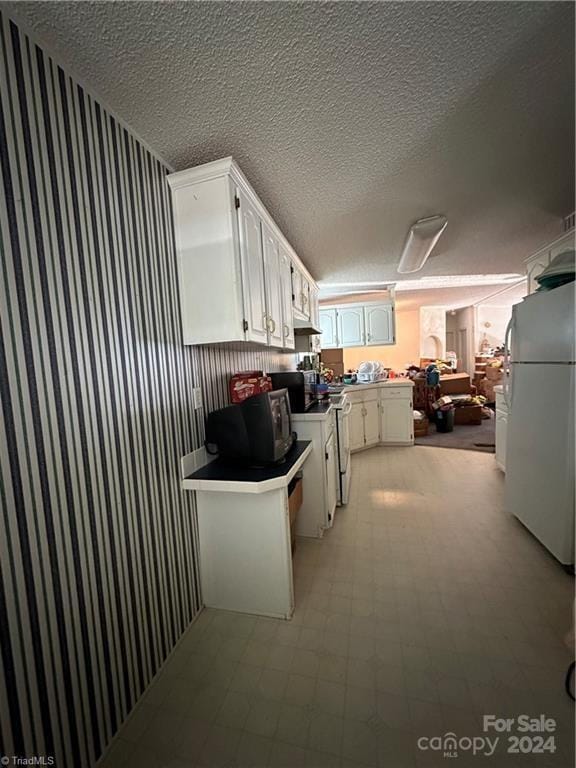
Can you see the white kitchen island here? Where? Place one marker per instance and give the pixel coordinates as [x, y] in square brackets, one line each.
[244, 534]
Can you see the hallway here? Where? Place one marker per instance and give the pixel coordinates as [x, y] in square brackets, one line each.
[424, 608]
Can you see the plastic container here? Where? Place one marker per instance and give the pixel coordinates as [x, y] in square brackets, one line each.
[445, 420]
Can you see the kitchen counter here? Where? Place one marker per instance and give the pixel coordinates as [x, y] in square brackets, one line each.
[224, 476]
[378, 385]
[318, 412]
[244, 534]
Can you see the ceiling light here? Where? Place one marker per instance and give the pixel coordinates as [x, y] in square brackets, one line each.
[422, 238]
[457, 281]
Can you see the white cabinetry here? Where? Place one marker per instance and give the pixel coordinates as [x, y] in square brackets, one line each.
[357, 325]
[329, 337]
[273, 282]
[252, 271]
[357, 426]
[501, 428]
[371, 420]
[286, 288]
[379, 322]
[396, 416]
[319, 489]
[538, 262]
[350, 326]
[364, 420]
[232, 261]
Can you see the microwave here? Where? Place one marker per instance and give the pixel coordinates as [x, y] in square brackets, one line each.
[255, 432]
[301, 386]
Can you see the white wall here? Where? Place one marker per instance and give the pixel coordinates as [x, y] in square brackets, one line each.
[491, 324]
[432, 332]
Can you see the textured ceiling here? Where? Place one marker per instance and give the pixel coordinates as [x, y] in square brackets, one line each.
[352, 120]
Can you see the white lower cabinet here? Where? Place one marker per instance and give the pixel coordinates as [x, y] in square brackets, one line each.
[382, 415]
[319, 490]
[501, 428]
[396, 416]
[364, 421]
[371, 421]
[357, 426]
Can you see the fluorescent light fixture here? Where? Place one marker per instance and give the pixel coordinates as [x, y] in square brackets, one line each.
[457, 281]
[422, 238]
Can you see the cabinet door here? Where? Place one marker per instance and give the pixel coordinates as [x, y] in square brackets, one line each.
[331, 491]
[356, 425]
[300, 292]
[305, 287]
[286, 285]
[351, 326]
[371, 423]
[329, 337]
[273, 287]
[314, 307]
[253, 284]
[396, 420]
[379, 325]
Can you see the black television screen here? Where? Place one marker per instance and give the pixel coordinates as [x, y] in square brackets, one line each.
[257, 431]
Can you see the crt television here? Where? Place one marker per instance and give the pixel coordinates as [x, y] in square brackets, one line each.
[255, 432]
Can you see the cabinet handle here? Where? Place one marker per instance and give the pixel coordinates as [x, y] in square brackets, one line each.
[271, 325]
[286, 331]
[368, 336]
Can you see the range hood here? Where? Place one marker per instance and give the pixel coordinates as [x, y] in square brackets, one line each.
[304, 327]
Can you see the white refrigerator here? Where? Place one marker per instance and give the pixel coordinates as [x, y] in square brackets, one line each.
[539, 392]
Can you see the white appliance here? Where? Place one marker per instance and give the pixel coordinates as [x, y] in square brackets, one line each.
[370, 371]
[343, 408]
[539, 393]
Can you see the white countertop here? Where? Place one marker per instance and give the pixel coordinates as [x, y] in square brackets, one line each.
[279, 478]
[379, 385]
[318, 412]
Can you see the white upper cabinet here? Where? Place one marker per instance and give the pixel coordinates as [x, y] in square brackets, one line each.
[252, 271]
[233, 262]
[273, 287]
[379, 322]
[301, 293]
[351, 326]
[286, 287]
[314, 307]
[358, 325]
[329, 337]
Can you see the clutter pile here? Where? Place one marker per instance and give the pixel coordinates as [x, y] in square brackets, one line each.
[421, 424]
[493, 375]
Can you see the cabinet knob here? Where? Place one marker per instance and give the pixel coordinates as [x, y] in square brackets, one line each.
[286, 331]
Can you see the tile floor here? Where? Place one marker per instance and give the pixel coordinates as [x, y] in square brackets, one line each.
[424, 608]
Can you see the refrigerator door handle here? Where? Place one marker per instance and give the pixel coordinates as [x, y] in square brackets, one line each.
[507, 384]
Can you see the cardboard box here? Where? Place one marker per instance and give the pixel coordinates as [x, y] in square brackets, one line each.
[331, 357]
[468, 414]
[421, 427]
[486, 388]
[455, 384]
[494, 374]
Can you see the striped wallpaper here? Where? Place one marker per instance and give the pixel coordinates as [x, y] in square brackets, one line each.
[98, 569]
